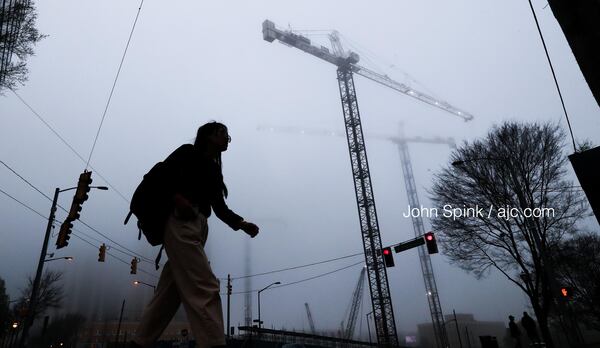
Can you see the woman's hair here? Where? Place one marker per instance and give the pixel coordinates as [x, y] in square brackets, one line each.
[202, 135]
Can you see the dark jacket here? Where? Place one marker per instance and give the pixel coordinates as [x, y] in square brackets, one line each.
[200, 181]
[514, 329]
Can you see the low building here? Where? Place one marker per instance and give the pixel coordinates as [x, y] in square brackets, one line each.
[464, 329]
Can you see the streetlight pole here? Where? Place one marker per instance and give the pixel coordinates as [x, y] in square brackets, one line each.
[38, 275]
[259, 291]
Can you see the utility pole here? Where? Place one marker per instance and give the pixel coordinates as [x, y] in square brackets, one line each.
[457, 331]
[119, 326]
[228, 302]
[38, 275]
[83, 186]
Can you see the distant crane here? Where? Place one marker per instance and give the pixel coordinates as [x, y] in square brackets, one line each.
[355, 305]
[247, 286]
[435, 308]
[383, 313]
[310, 319]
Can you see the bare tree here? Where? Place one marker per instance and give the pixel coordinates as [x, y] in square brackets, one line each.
[18, 35]
[515, 206]
[578, 266]
[50, 293]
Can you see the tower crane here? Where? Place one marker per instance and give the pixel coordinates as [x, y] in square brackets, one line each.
[247, 286]
[346, 63]
[435, 308]
[310, 319]
[355, 305]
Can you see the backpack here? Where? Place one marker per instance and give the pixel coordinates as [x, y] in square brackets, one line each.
[152, 204]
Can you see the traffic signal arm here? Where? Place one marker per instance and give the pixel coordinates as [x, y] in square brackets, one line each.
[413, 243]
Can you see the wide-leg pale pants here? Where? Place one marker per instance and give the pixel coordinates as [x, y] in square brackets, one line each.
[186, 277]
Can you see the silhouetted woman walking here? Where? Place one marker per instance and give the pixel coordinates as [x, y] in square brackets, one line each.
[197, 186]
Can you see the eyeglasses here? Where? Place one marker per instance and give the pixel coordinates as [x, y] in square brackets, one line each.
[228, 138]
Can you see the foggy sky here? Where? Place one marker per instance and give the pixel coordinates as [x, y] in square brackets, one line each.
[192, 62]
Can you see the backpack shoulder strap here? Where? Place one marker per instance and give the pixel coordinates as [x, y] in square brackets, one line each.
[158, 257]
[127, 218]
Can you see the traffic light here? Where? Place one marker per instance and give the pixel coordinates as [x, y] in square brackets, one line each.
[134, 263]
[431, 243]
[229, 289]
[388, 258]
[566, 292]
[64, 234]
[74, 211]
[102, 253]
[83, 187]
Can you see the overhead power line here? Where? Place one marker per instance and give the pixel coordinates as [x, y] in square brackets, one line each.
[304, 280]
[132, 253]
[74, 234]
[296, 267]
[23, 204]
[114, 83]
[69, 146]
[553, 75]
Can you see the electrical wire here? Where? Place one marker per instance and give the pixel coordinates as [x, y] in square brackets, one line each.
[114, 83]
[22, 178]
[74, 234]
[304, 280]
[119, 259]
[243, 292]
[296, 267]
[23, 204]
[553, 75]
[132, 253]
[69, 145]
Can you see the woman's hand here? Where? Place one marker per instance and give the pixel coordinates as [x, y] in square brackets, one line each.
[250, 228]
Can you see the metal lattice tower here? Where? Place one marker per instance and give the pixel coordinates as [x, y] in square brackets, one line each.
[247, 287]
[355, 304]
[383, 312]
[346, 62]
[310, 319]
[437, 317]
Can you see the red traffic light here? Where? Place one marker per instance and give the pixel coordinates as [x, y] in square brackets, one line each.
[431, 243]
[566, 292]
[388, 258]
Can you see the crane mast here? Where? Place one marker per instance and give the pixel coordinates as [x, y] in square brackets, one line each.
[247, 286]
[310, 319]
[435, 308]
[378, 284]
[433, 299]
[385, 325]
[355, 305]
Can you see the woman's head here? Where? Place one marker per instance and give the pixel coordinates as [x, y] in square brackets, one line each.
[212, 135]
[212, 139]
